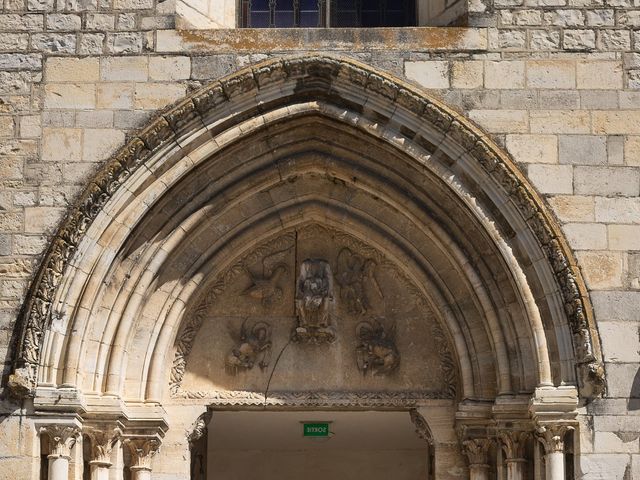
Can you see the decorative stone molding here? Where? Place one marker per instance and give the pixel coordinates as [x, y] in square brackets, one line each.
[552, 437]
[199, 428]
[142, 449]
[378, 399]
[103, 439]
[476, 450]
[316, 76]
[61, 438]
[513, 443]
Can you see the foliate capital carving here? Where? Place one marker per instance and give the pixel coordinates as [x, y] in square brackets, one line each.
[142, 451]
[552, 437]
[102, 443]
[62, 438]
[476, 450]
[514, 443]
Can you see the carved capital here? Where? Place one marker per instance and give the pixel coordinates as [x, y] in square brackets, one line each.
[513, 443]
[102, 443]
[552, 437]
[476, 450]
[142, 451]
[62, 438]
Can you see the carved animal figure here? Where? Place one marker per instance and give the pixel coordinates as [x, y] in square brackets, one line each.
[377, 351]
[266, 287]
[254, 345]
[356, 277]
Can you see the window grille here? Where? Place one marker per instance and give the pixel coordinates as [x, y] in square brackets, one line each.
[327, 13]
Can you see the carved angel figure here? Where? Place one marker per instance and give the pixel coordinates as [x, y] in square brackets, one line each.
[314, 294]
[377, 351]
[254, 345]
[266, 287]
[356, 277]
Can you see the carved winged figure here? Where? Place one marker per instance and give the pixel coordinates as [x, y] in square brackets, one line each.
[377, 351]
[254, 345]
[356, 277]
[266, 287]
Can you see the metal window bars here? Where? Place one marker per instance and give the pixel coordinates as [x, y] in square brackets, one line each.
[326, 13]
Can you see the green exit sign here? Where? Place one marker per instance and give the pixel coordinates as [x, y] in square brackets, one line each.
[315, 429]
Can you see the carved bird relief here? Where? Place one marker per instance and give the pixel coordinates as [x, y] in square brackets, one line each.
[266, 287]
[356, 277]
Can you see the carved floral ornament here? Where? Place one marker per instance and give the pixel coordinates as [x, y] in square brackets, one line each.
[321, 74]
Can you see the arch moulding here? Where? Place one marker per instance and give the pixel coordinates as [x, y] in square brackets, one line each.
[397, 115]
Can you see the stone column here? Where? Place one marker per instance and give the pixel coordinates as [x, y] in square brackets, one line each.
[513, 445]
[476, 451]
[142, 451]
[102, 442]
[61, 440]
[552, 438]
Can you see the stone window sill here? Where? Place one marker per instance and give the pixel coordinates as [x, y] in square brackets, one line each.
[318, 39]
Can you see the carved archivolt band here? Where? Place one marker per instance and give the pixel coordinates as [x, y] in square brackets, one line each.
[321, 73]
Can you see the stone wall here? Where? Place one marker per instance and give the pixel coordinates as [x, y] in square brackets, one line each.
[556, 82]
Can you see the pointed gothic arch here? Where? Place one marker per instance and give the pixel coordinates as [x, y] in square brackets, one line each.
[275, 148]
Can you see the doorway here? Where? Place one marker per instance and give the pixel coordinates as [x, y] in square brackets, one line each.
[274, 445]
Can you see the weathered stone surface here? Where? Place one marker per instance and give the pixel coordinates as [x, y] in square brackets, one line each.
[507, 75]
[63, 69]
[602, 269]
[586, 236]
[70, 95]
[599, 75]
[582, 149]
[573, 208]
[554, 83]
[124, 68]
[616, 305]
[99, 143]
[617, 210]
[169, 68]
[432, 74]
[533, 148]
[607, 181]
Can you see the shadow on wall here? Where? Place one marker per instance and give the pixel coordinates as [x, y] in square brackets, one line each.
[634, 394]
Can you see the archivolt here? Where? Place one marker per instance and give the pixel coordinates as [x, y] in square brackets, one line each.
[445, 151]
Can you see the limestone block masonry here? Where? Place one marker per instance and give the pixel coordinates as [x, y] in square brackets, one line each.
[554, 83]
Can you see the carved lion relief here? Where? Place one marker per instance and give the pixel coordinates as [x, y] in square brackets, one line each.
[377, 352]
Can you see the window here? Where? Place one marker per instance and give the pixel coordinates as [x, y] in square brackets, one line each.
[315, 13]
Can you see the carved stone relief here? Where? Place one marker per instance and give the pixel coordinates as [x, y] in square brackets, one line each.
[371, 316]
[267, 286]
[358, 285]
[377, 352]
[38, 310]
[253, 345]
[314, 298]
